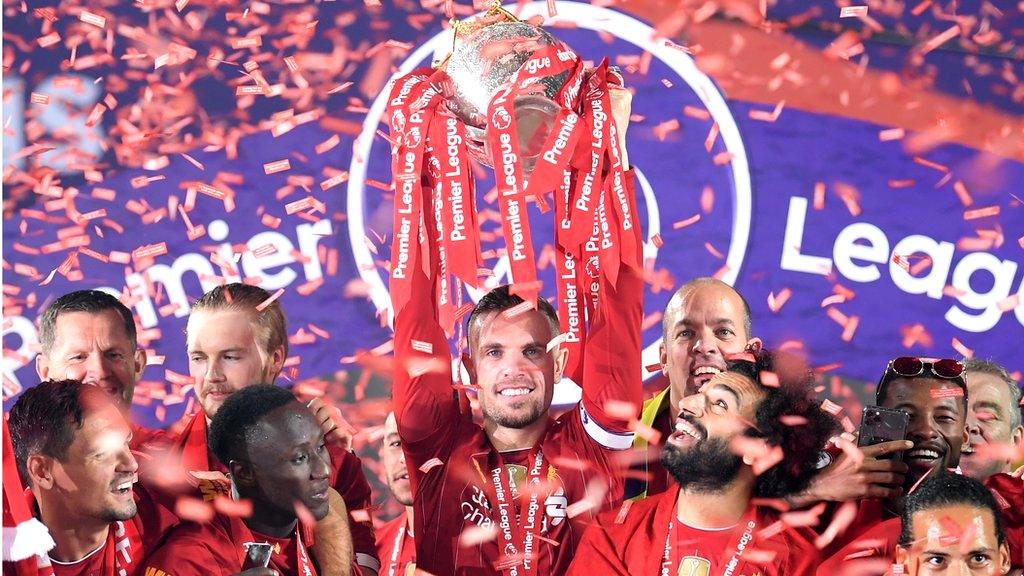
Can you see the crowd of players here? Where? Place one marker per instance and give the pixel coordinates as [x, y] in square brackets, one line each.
[751, 475]
[736, 468]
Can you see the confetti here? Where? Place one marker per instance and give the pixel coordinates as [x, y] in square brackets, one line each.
[956, 392]
[686, 222]
[430, 464]
[421, 346]
[981, 213]
[776, 302]
[853, 11]
[961, 349]
[891, 134]
[193, 509]
[263, 305]
[94, 19]
[476, 535]
[277, 166]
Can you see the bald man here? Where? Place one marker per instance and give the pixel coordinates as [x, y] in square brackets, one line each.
[705, 323]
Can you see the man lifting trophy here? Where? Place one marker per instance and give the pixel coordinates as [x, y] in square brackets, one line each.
[512, 491]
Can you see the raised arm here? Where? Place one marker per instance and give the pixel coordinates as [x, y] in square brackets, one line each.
[612, 364]
[425, 404]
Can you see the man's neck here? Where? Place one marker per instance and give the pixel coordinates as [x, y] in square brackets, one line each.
[409, 519]
[275, 528]
[714, 509]
[505, 439]
[75, 536]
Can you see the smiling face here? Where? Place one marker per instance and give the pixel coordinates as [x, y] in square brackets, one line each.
[94, 347]
[937, 425]
[290, 463]
[225, 354]
[954, 540]
[704, 324]
[990, 421]
[698, 453]
[393, 458]
[95, 479]
[510, 363]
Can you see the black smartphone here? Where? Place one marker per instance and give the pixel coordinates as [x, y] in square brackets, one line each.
[257, 555]
[879, 425]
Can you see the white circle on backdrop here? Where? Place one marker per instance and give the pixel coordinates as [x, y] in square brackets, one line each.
[587, 17]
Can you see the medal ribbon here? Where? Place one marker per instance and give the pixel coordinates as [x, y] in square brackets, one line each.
[518, 534]
[740, 542]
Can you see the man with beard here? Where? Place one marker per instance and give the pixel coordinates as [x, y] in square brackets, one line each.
[395, 542]
[705, 324]
[751, 432]
[275, 451]
[934, 394]
[90, 336]
[71, 446]
[950, 526]
[517, 474]
[993, 420]
[234, 341]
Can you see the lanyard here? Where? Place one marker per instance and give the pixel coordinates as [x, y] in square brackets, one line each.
[518, 534]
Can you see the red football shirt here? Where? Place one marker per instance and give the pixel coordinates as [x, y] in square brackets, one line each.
[347, 478]
[633, 543]
[455, 470]
[397, 548]
[217, 549]
[123, 551]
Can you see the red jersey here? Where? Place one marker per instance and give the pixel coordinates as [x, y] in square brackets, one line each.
[347, 478]
[397, 548]
[648, 540]
[217, 549]
[872, 552]
[121, 554]
[1009, 494]
[148, 438]
[531, 505]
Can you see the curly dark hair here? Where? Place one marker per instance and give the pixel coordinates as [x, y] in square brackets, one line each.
[238, 415]
[801, 440]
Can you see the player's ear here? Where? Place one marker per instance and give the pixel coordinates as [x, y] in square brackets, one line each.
[467, 362]
[242, 473]
[40, 470]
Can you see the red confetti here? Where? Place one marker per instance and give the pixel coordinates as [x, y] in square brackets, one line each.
[961, 349]
[430, 464]
[277, 166]
[262, 305]
[776, 302]
[684, 223]
[956, 392]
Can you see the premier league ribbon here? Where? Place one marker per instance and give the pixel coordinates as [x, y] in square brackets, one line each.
[579, 162]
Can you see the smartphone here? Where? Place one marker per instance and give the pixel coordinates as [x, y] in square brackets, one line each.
[879, 425]
[257, 555]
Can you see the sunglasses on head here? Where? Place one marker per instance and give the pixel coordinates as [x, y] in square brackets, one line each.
[911, 366]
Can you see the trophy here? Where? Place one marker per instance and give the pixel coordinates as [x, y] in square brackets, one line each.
[487, 53]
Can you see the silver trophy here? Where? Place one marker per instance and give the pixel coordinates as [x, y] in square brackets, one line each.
[486, 55]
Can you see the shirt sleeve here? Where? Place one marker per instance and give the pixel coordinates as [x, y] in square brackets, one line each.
[192, 551]
[350, 481]
[611, 360]
[423, 379]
